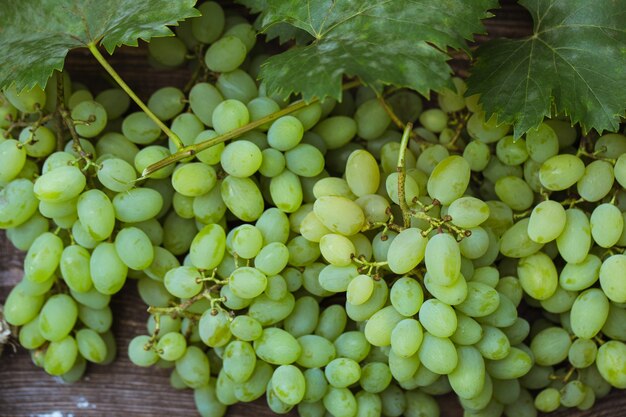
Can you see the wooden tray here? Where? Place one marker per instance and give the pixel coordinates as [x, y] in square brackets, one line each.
[122, 389]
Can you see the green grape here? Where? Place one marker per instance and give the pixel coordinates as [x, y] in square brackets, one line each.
[267, 311]
[285, 133]
[153, 293]
[17, 203]
[208, 27]
[560, 302]
[443, 259]
[209, 208]
[108, 272]
[38, 143]
[117, 175]
[229, 115]
[371, 119]
[548, 400]
[508, 392]
[8, 112]
[20, 307]
[434, 120]
[152, 228]
[406, 337]
[511, 151]
[30, 337]
[362, 174]
[582, 353]
[494, 343]
[167, 102]
[90, 118]
[615, 323]
[610, 362]
[561, 172]
[342, 372]
[304, 160]
[550, 346]
[438, 318]
[115, 101]
[606, 224]
[140, 129]
[64, 184]
[572, 394]
[468, 212]
[194, 179]
[247, 282]
[57, 159]
[597, 181]
[242, 197]
[23, 236]
[246, 328]
[610, 145]
[477, 154]
[468, 378]
[514, 192]
[379, 327]
[134, 248]
[514, 365]
[288, 384]
[411, 188]
[419, 404]
[187, 126]
[401, 368]
[193, 367]
[365, 310]
[183, 282]
[575, 240]
[26, 101]
[78, 97]
[167, 51]
[277, 347]
[353, 345]
[117, 145]
[274, 226]
[87, 148]
[43, 257]
[542, 143]
[91, 345]
[57, 317]
[438, 354]
[339, 214]
[310, 279]
[488, 131]
[206, 400]
[171, 346]
[538, 275]
[332, 322]
[238, 85]
[611, 278]
[375, 377]
[96, 214]
[75, 268]
[254, 387]
[476, 244]
[481, 300]
[589, 313]
[340, 402]
[272, 258]
[337, 278]
[337, 250]
[241, 158]
[60, 356]
[55, 210]
[449, 179]
[336, 131]
[547, 221]
[317, 351]
[91, 298]
[137, 205]
[359, 289]
[303, 319]
[203, 99]
[139, 355]
[468, 331]
[620, 170]
[226, 54]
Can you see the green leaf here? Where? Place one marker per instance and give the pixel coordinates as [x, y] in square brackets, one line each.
[399, 42]
[37, 35]
[574, 63]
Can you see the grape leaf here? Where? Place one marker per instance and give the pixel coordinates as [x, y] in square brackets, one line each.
[37, 35]
[574, 63]
[399, 42]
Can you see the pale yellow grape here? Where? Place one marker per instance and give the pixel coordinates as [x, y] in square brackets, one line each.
[481, 300]
[337, 249]
[406, 296]
[438, 318]
[547, 221]
[468, 212]
[380, 325]
[402, 368]
[438, 354]
[359, 289]
[362, 174]
[606, 224]
[449, 180]
[453, 294]
[332, 186]
[561, 172]
[286, 191]
[339, 214]
[443, 259]
[406, 337]
[575, 240]
[516, 364]
[476, 244]
[538, 275]
[468, 378]
[406, 251]
[582, 275]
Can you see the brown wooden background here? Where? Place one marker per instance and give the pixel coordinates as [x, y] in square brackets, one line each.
[122, 389]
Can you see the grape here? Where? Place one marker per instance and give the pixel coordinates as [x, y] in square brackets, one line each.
[514, 192]
[538, 275]
[115, 101]
[589, 313]
[372, 119]
[575, 240]
[60, 356]
[438, 354]
[205, 399]
[336, 131]
[187, 126]
[226, 54]
[75, 270]
[63, 184]
[137, 205]
[272, 258]
[340, 402]
[229, 115]
[547, 221]
[359, 289]
[246, 328]
[30, 337]
[57, 317]
[233, 190]
[90, 117]
[277, 347]
[193, 367]
[606, 224]
[17, 203]
[167, 51]
[134, 248]
[468, 378]
[582, 353]
[438, 318]
[267, 311]
[317, 351]
[91, 346]
[449, 179]
[21, 307]
[43, 257]
[115, 144]
[511, 151]
[167, 102]
[247, 282]
[406, 337]
[336, 249]
[597, 181]
[238, 85]
[117, 175]
[514, 365]
[542, 143]
[183, 282]
[208, 27]
[140, 129]
[38, 143]
[26, 101]
[561, 172]
[550, 346]
[485, 131]
[254, 387]
[108, 272]
[443, 259]
[611, 278]
[339, 214]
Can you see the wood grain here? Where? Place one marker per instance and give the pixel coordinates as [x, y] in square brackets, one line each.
[122, 389]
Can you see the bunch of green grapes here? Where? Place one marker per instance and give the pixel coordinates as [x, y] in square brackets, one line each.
[335, 260]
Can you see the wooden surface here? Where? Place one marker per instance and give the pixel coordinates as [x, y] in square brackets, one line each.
[122, 389]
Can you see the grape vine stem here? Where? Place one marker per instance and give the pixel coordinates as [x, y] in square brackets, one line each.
[401, 168]
[96, 53]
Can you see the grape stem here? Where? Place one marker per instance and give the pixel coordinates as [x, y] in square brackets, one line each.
[96, 53]
[401, 169]
[191, 150]
[69, 123]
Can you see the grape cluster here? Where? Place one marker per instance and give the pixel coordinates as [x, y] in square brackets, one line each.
[333, 259]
